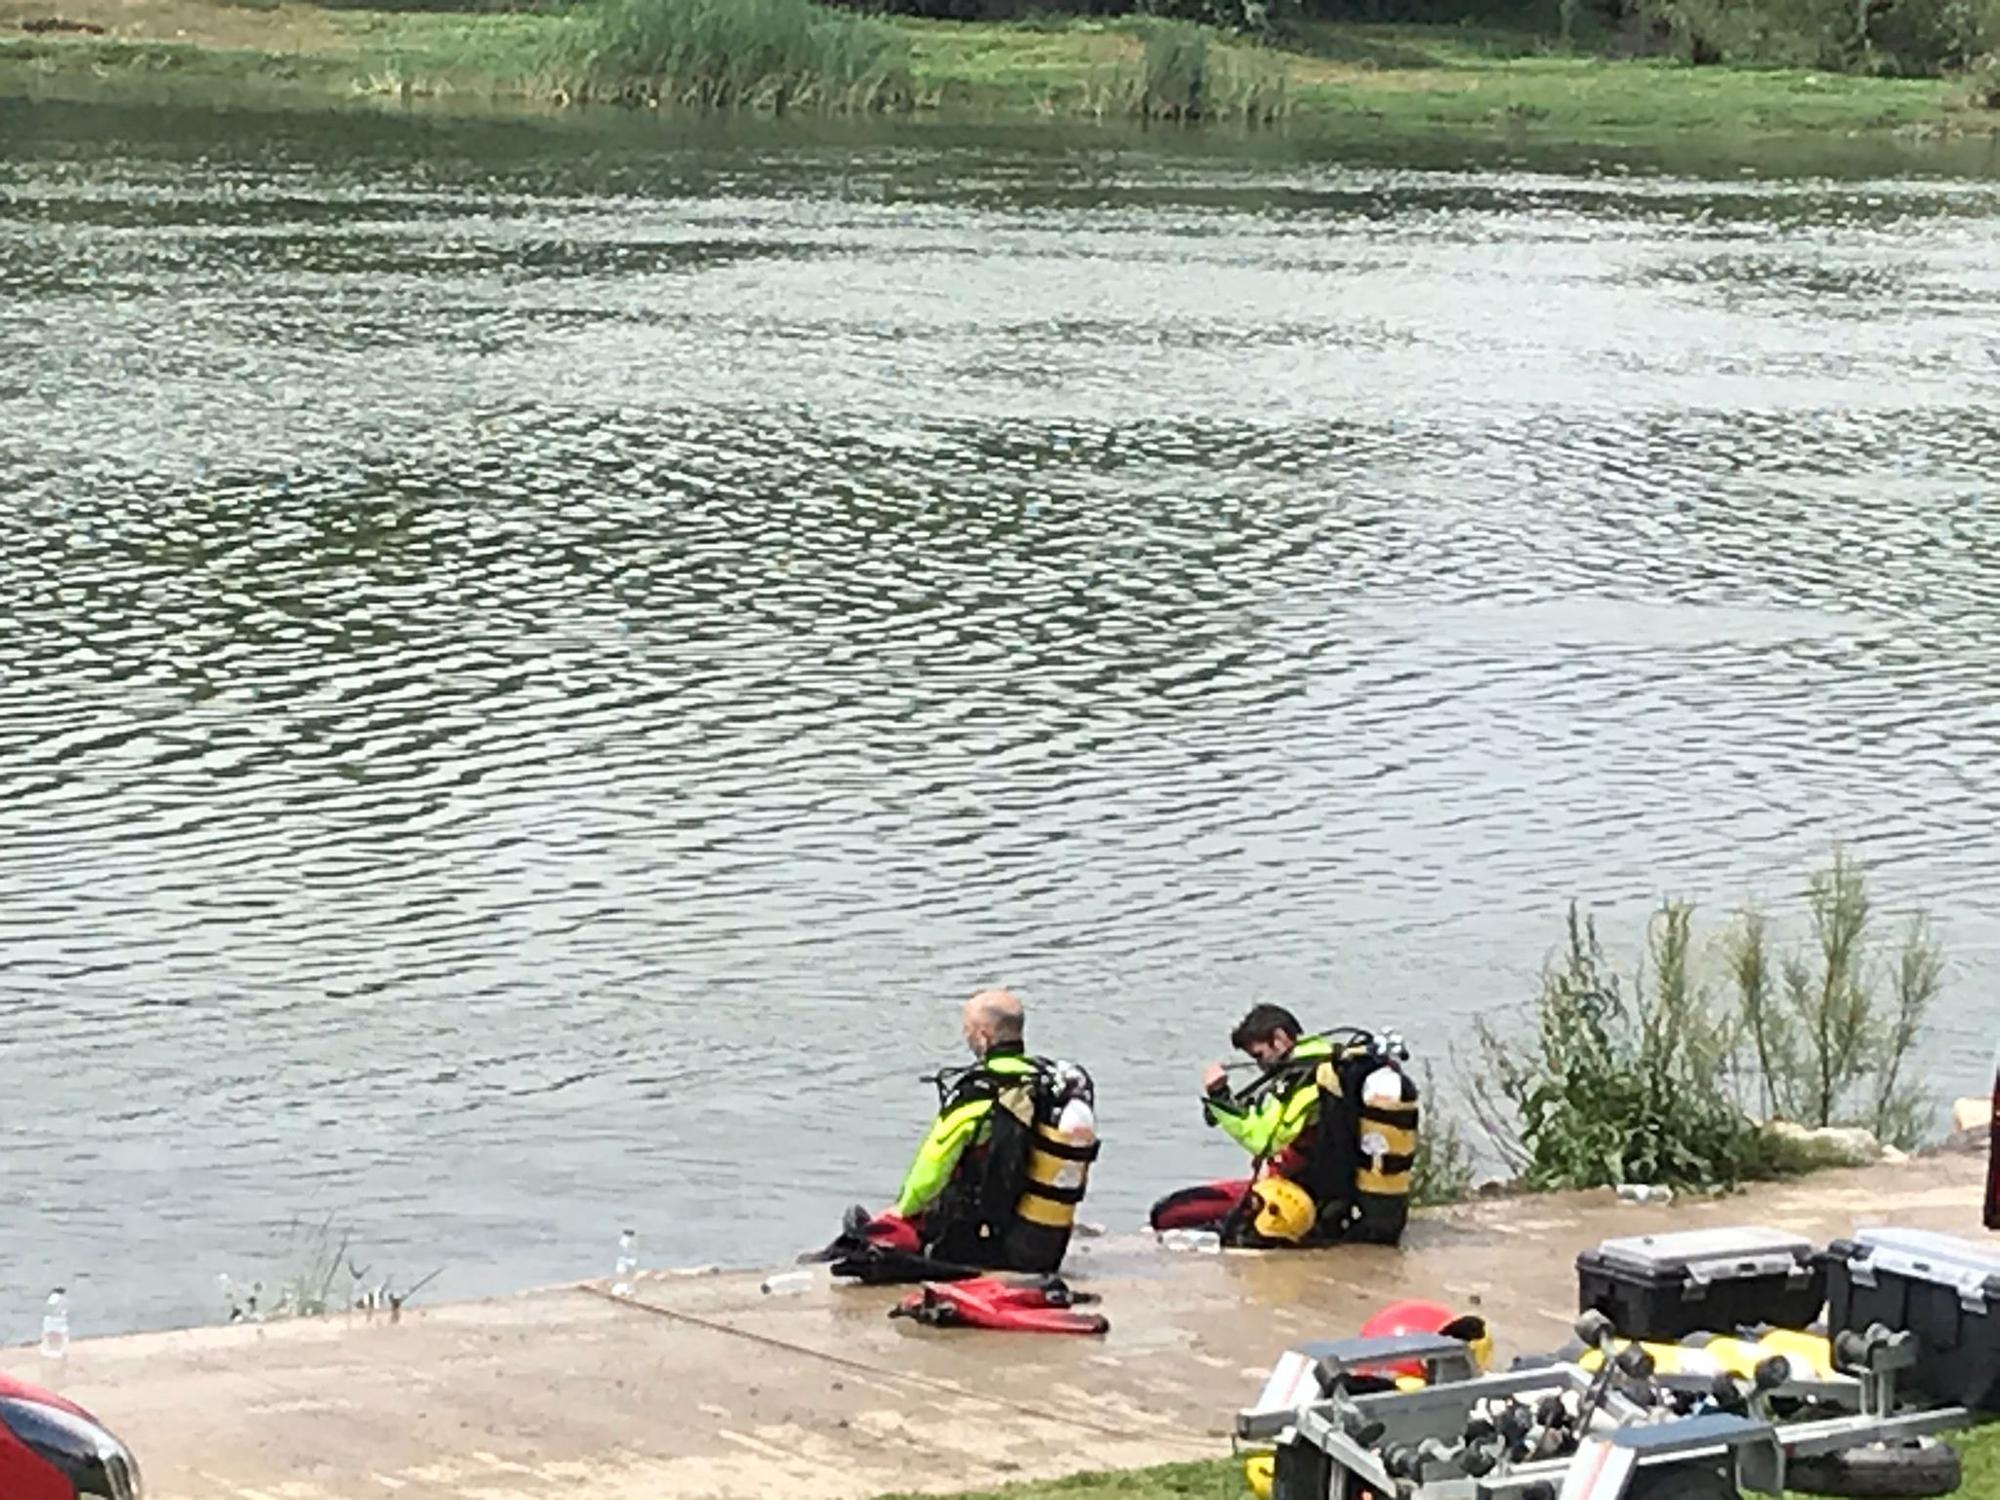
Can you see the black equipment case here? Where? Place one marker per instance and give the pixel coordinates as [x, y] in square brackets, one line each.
[1664, 1286]
[1943, 1289]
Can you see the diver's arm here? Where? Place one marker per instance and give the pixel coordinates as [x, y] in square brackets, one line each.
[1252, 1129]
[1267, 1129]
[937, 1158]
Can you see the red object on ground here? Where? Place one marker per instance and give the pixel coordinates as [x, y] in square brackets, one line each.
[19, 1390]
[1009, 1307]
[24, 1473]
[894, 1232]
[1202, 1207]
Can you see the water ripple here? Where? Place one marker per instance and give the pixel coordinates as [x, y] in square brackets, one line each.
[525, 674]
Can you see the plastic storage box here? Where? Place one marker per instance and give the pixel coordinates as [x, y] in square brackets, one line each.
[1665, 1286]
[1943, 1289]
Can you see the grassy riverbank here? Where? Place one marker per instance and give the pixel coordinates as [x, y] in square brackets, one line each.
[1387, 79]
[1222, 1479]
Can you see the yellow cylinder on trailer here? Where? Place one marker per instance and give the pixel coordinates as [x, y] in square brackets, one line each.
[1810, 1355]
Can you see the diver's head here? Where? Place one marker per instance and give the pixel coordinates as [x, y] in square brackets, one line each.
[992, 1017]
[1268, 1034]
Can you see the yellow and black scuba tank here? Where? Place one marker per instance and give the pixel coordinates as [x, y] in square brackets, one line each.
[1014, 1203]
[1387, 1142]
[1361, 1163]
[1054, 1111]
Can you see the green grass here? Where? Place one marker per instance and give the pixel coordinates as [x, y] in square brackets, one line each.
[1377, 80]
[1215, 1479]
[1981, 1450]
[369, 53]
[439, 51]
[1222, 1479]
[1433, 78]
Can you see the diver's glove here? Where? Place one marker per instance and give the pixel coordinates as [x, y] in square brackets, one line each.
[892, 1231]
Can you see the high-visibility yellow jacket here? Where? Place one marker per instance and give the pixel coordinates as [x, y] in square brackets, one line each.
[965, 1121]
[1276, 1110]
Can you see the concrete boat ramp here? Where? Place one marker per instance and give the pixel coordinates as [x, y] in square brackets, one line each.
[702, 1386]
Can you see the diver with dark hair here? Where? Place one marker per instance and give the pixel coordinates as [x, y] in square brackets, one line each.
[1330, 1122]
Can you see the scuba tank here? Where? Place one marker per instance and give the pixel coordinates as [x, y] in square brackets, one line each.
[1361, 1164]
[1061, 1130]
[1387, 1131]
[1015, 1198]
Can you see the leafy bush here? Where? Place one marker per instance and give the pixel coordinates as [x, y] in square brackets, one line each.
[1905, 37]
[1982, 81]
[1262, 18]
[1668, 1083]
[1616, 1089]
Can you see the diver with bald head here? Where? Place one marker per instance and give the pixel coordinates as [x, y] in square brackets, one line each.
[996, 1183]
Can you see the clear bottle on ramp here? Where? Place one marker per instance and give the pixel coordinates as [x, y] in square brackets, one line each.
[55, 1326]
[628, 1264]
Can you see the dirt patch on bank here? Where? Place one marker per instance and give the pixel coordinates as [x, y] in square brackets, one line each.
[281, 28]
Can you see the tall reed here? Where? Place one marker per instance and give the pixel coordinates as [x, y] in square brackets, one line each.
[779, 55]
[1185, 74]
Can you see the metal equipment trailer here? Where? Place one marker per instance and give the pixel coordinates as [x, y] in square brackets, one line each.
[1556, 1430]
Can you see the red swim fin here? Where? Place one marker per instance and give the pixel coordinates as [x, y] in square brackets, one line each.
[1032, 1292]
[945, 1304]
[1042, 1306]
[1047, 1320]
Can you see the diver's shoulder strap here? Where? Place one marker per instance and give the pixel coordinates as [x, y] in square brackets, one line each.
[1048, 1082]
[958, 1087]
[1279, 1079]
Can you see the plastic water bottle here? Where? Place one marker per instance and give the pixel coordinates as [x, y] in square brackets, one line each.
[628, 1264]
[1193, 1241]
[786, 1284]
[55, 1326]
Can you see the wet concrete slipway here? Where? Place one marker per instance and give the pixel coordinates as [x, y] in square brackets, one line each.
[703, 1386]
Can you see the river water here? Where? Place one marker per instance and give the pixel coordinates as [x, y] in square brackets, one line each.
[541, 662]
